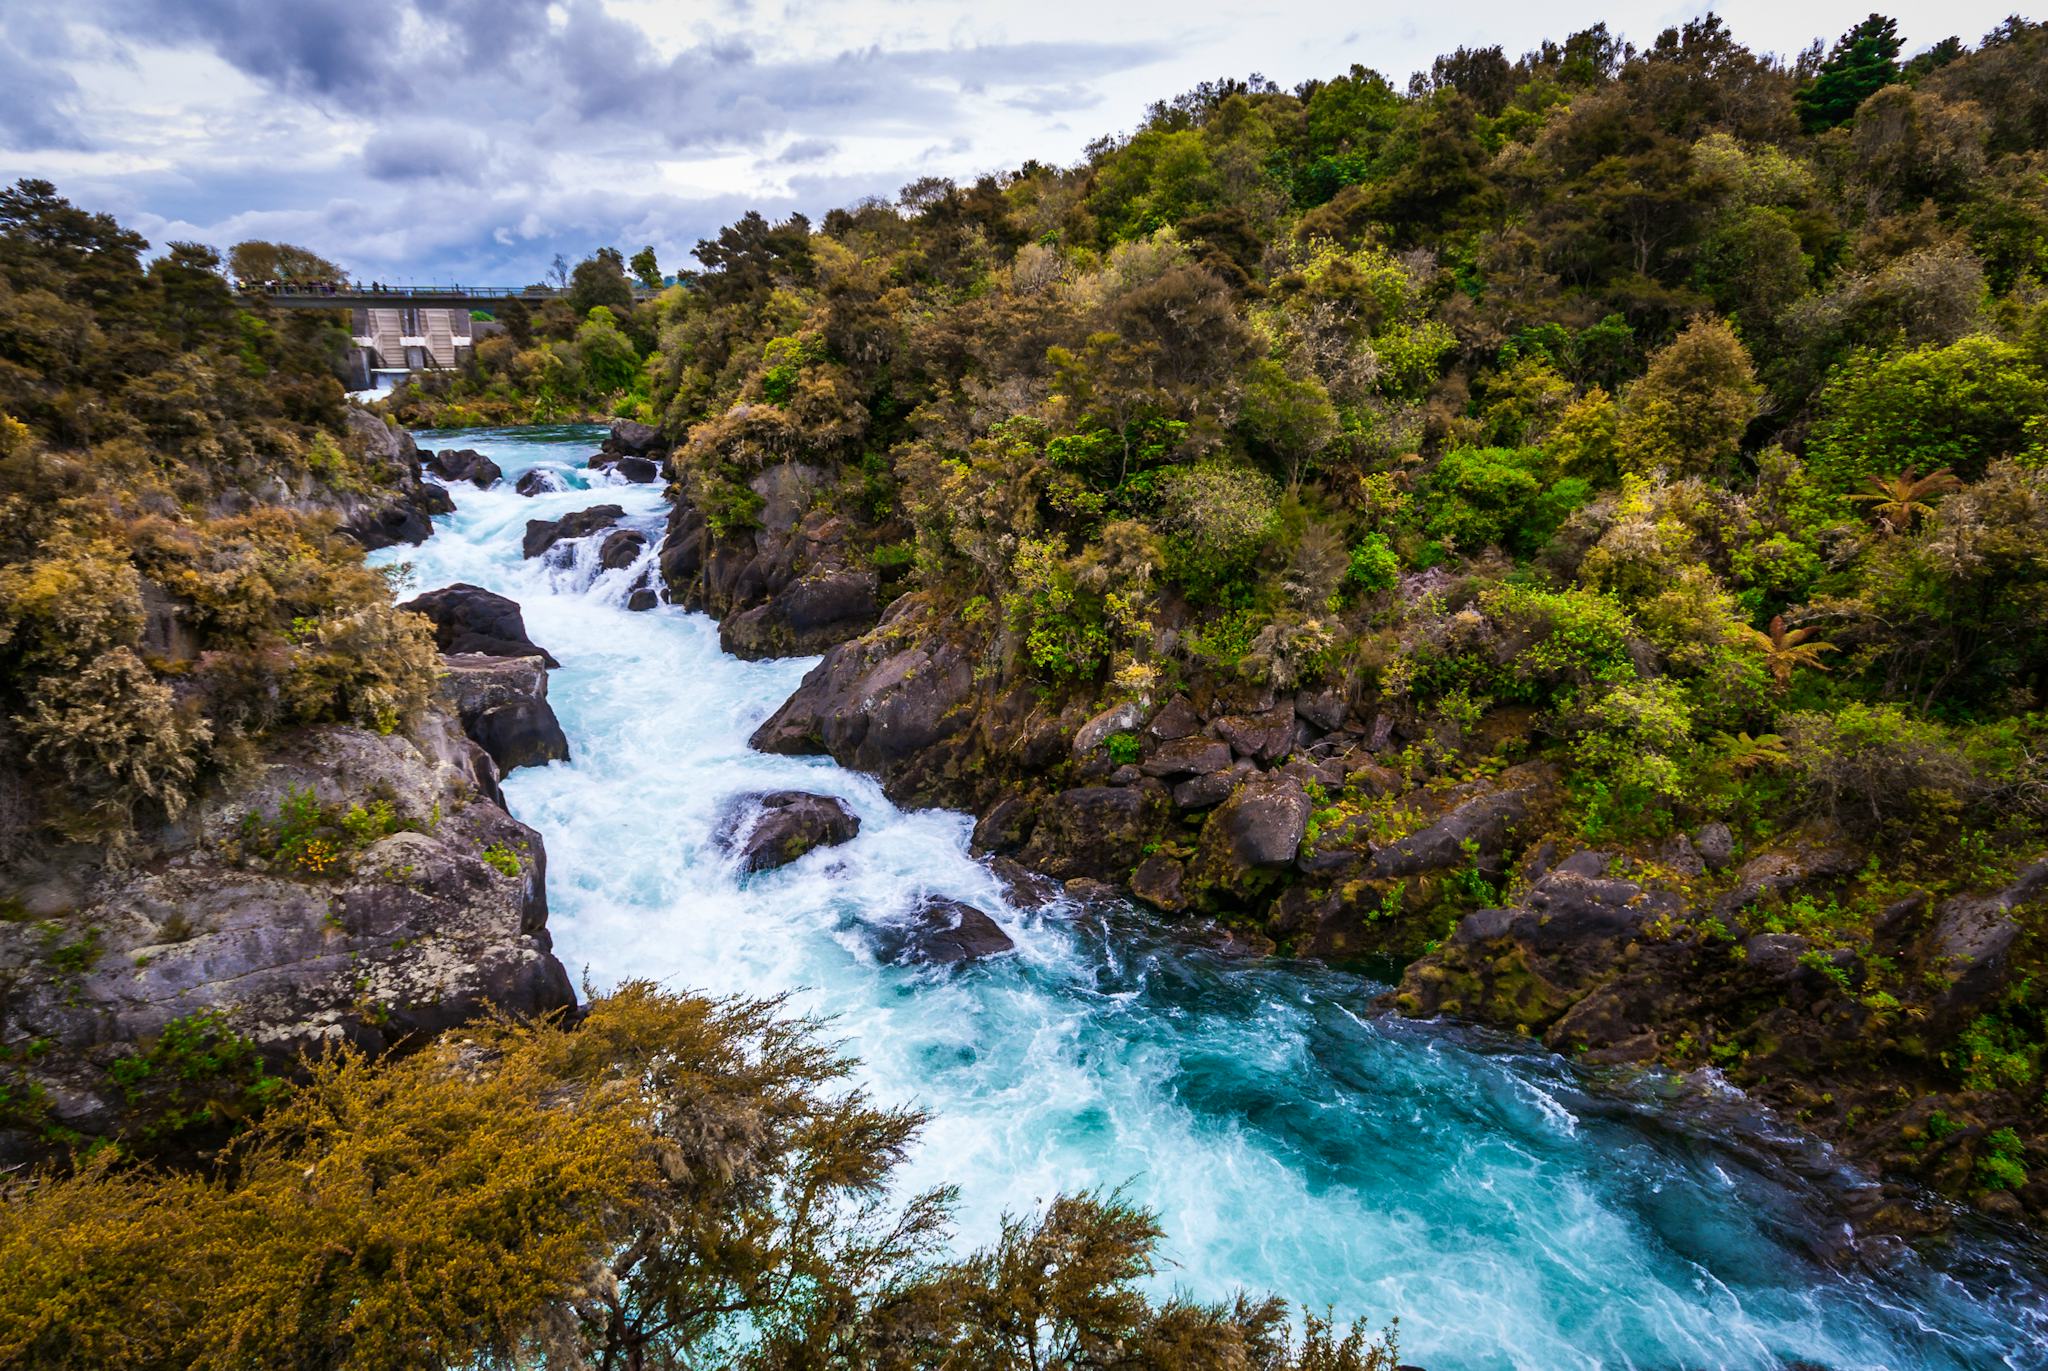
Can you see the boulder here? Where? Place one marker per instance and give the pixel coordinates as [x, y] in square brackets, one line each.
[1200, 792]
[1157, 882]
[1263, 737]
[776, 827]
[1323, 708]
[642, 600]
[1118, 718]
[637, 470]
[522, 733]
[542, 534]
[1479, 825]
[1187, 757]
[464, 464]
[1715, 844]
[634, 439]
[469, 618]
[621, 549]
[1973, 941]
[432, 500]
[539, 481]
[1091, 831]
[1175, 719]
[942, 933]
[1261, 824]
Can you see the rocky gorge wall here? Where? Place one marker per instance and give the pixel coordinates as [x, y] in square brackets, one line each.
[1304, 823]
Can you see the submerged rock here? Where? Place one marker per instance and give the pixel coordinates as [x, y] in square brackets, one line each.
[942, 933]
[469, 618]
[776, 827]
[542, 534]
[539, 481]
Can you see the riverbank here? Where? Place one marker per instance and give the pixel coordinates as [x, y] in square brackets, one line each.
[1289, 1136]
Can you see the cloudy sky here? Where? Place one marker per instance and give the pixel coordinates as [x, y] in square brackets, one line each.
[471, 140]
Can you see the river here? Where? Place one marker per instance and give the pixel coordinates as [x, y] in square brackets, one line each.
[1512, 1211]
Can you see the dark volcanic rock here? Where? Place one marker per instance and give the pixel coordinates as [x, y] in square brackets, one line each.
[542, 534]
[1187, 757]
[464, 464]
[412, 934]
[1260, 825]
[642, 600]
[1092, 829]
[634, 439]
[799, 581]
[539, 481]
[621, 549]
[525, 733]
[503, 705]
[1484, 821]
[775, 828]
[469, 618]
[943, 933]
[639, 470]
[401, 505]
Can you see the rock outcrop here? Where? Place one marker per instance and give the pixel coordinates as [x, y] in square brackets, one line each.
[776, 827]
[502, 703]
[542, 534]
[793, 585]
[464, 464]
[941, 932]
[402, 507]
[470, 619]
[416, 902]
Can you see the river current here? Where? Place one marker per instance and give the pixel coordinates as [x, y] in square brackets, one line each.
[1512, 1211]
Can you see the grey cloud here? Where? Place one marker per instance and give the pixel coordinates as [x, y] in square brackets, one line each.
[38, 97]
[436, 152]
[1046, 100]
[807, 150]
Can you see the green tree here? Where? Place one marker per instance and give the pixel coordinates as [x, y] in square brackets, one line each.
[257, 260]
[1864, 60]
[646, 268]
[1690, 410]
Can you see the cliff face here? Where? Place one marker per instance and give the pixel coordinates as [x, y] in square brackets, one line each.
[343, 886]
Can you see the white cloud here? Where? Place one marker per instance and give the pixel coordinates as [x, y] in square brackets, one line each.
[476, 138]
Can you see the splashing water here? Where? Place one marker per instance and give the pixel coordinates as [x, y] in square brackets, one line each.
[1512, 1214]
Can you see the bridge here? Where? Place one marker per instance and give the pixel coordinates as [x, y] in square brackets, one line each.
[355, 295]
[402, 329]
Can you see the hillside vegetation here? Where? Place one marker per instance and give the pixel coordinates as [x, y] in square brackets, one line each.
[1657, 433]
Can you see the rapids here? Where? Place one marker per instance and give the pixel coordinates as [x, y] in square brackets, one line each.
[1513, 1211]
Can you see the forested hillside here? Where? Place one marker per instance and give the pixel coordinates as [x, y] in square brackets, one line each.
[1653, 437]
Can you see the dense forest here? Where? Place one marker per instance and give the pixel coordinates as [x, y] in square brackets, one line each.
[1667, 424]
[1354, 514]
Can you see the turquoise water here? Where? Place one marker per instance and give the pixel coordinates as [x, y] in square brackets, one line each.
[1511, 1214]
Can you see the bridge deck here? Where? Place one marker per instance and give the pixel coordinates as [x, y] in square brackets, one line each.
[418, 297]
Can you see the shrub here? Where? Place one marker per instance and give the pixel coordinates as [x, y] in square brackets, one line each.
[117, 733]
[1874, 766]
[1959, 406]
[1374, 566]
[1217, 519]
